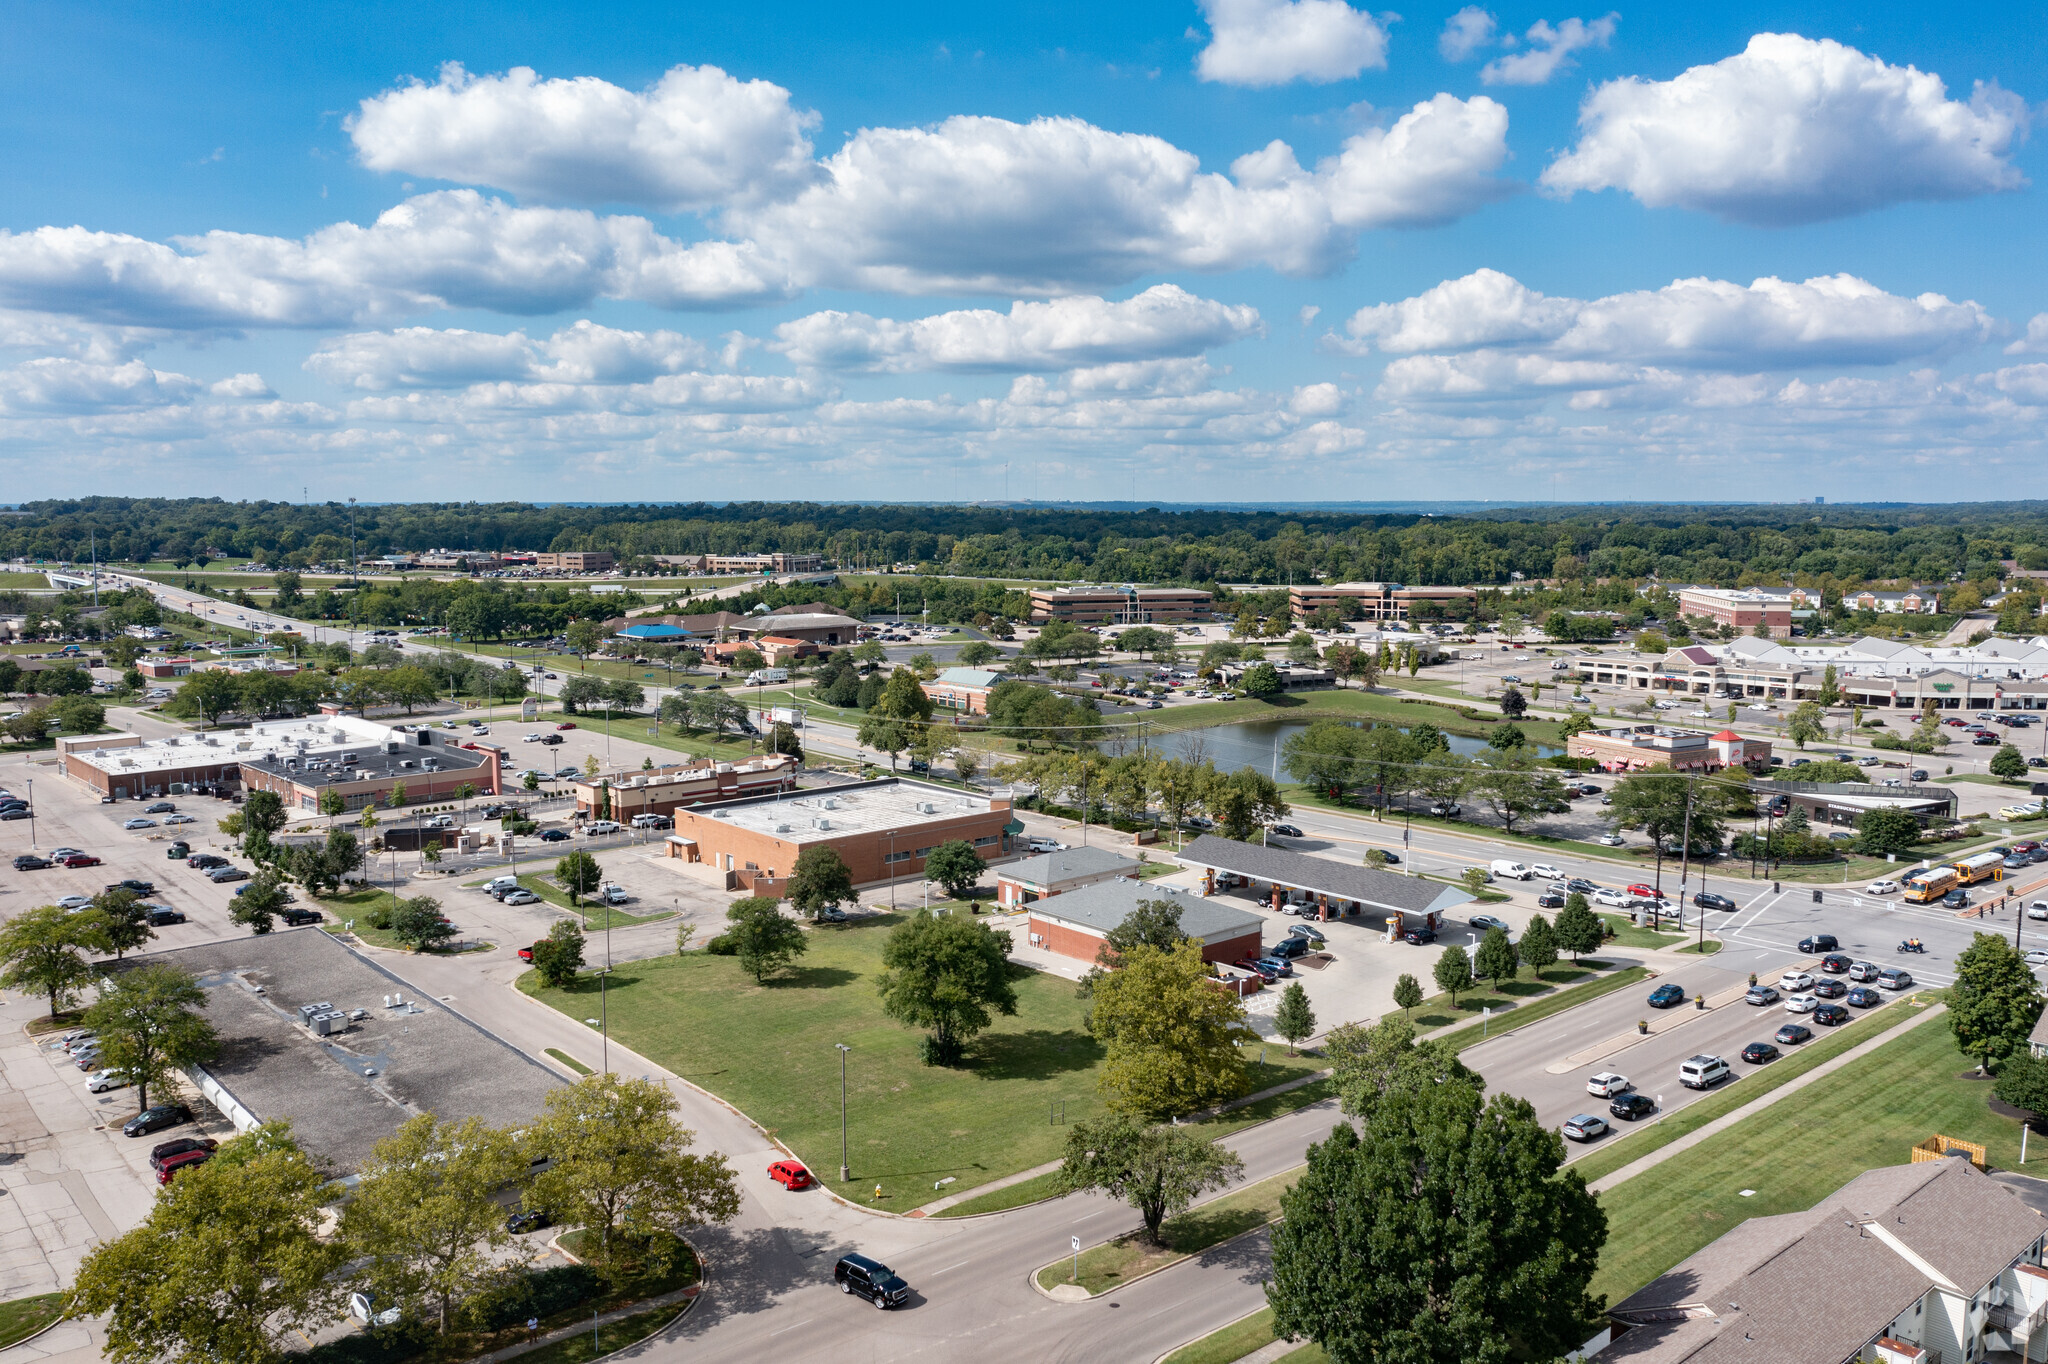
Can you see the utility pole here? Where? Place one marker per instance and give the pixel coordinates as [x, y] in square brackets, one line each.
[843, 1049]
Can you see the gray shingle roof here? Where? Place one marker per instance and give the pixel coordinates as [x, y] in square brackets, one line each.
[1376, 889]
[1051, 869]
[1104, 905]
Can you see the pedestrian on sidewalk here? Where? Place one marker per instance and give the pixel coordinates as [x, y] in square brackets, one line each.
[532, 1329]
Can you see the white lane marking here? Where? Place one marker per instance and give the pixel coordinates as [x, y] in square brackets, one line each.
[791, 1327]
[948, 1269]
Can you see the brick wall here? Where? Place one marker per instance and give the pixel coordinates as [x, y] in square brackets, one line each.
[1082, 945]
[863, 852]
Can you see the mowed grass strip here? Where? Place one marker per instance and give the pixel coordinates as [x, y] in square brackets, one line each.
[1606, 1158]
[1115, 1263]
[1539, 1009]
[1796, 1152]
[769, 1050]
[1525, 991]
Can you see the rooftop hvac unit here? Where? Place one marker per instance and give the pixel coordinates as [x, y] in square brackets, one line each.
[307, 1011]
[822, 823]
[925, 807]
[830, 803]
[782, 828]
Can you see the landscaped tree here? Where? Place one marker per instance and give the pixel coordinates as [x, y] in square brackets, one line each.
[1807, 724]
[123, 922]
[229, 1263]
[559, 956]
[579, 874]
[149, 1025]
[1883, 831]
[40, 949]
[425, 1222]
[762, 938]
[209, 694]
[1538, 946]
[1445, 1231]
[1513, 704]
[1261, 682]
[580, 693]
[1578, 927]
[1172, 1037]
[898, 716]
[331, 802]
[1366, 1063]
[976, 652]
[624, 1170]
[1293, 1018]
[1995, 1001]
[2007, 762]
[263, 814]
[1453, 972]
[418, 923]
[956, 866]
[948, 974]
[2023, 1083]
[1407, 992]
[1514, 787]
[820, 880]
[1654, 800]
[1243, 803]
[260, 902]
[1496, 959]
[1159, 1171]
[410, 685]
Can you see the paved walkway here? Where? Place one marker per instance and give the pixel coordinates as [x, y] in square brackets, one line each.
[1728, 1120]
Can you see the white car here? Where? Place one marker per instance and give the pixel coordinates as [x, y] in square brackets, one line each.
[181, 819]
[1607, 895]
[2038, 957]
[597, 827]
[1801, 1004]
[2038, 910]
[1703, 714]
[1607, 1085]
[521, 897]
[1610, 840]
[1545, 870]
[104, 1080]
[529, 739]
[1881, 888]
[1794, 981]
[75, 902]
[1765, 710]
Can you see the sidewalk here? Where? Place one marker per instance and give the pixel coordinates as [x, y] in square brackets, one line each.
[1728, 1120]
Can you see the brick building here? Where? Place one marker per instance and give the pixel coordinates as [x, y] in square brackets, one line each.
[1742, 609]
[671, 787]
[1042, 877]
[1630, 748]
[578, 561]
[1119, 605]
[1376, 601]
[882, 830]
[1075, 924]
[962, 689]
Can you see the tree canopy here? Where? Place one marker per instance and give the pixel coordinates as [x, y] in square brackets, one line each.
[948, 974]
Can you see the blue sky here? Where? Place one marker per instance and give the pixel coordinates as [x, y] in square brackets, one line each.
[626, 252]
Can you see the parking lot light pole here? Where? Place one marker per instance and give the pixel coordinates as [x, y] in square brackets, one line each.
[843, 1049]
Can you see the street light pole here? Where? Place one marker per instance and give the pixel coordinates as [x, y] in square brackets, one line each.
[843, 1049]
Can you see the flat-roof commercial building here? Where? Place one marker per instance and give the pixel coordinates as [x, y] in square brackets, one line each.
[1336, 888]
[819, 628]
[348, 1089]
[1049, 874]
[1097, 605]
[1844, 802]
[578, 561]
[670, 787]
[1630, 748]
[882, 829]
[1377, 601]
[1998, 674]
[1293, 676]
[1743, 609]
[962, 689]
[1075, 924]
[763, 563]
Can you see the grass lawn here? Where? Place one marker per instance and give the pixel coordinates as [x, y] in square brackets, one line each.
[769, 1049]
[1239, 1339]
[24, 1317]
[1031, 1190]
[1437, 1011]
[1542, 1008]
[356, 906]
[1344, 703]
[571, 1062]
[1867, 1114]
[595, 916]
[11, 578]
[1625, 934]
[1609, 1156]
[1115, 1263]
[1705, 949]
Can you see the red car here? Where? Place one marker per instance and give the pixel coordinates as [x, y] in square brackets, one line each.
[80, 860]
[526, 953]
[790, 1175]
[1646, 892]
[566, 724]
[169, 1169]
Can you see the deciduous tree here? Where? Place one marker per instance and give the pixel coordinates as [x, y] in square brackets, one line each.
[821, 879]
[956, 866]
[1497, 959]
[260, 902]
[1578, 927]
[948, 974]
[419, 924]
[1453, 972]
[1172, 1037]
[40, 949]
[1159, 1171]
[149, 1025]
[559, 956]
[1407, 992]
[1539, 944]
[579, 874]
[1995, 1001]
[763, 940]
[1367, 1062]
[1293, 1018]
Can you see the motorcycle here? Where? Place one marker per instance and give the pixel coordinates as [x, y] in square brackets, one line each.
[1919, 947]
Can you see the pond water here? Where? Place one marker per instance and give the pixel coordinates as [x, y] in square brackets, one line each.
[1255, 743]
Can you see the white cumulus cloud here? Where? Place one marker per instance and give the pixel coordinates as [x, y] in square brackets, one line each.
[2035, 342]
[1792, 130]
[695, 139]
[1550, 50]
[1164, 321]
[1465, 32]
[1272, 42]
[428, 357]
[63, 387]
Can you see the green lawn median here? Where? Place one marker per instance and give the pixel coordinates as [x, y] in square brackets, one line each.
[1792, 1154]
[1518, 996]
[1605, 1159]
[23, 1317]
[1113, 1264]
[770, 1050]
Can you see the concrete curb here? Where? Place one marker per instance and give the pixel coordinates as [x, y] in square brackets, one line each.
[51, 1326]
[1206, 1334]
[1175, 1264]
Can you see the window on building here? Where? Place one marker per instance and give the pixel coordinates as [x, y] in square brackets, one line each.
[925, 852]
[895, 857]
[988, 842]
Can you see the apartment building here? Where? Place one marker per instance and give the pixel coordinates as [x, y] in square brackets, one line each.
[1376, 601]
[1125, 605]
[1744, 609]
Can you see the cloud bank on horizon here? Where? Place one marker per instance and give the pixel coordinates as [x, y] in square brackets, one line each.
[689, 278]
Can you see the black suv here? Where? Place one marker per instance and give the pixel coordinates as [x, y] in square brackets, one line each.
[1820, 942]
[1709, 900]
[156, 1120]
[295, 918]
[159, 915]
[871, 1279]
[1632, 1106]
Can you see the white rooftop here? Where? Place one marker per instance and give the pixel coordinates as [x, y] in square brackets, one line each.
[281, 738]
[904, 806]
[1871, 656]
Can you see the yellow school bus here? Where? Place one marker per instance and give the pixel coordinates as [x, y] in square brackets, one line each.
[1988, 866]
[1925, 887]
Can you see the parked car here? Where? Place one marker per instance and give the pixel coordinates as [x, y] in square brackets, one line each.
[103, 1080]
[1607, 1084]
[1830, 1015]
[551, 739]
[222, 875]
[554, 835]
[30, 862]
[1617, 899]
[1632, 1106]
[156, 1120]
[163, 1151]
[162, 807]
[1584, 1127]
[206, 861]
[1486, 923]
[791, 1175]
[519, 896]
[140, 824]
[1863, 997]
[1759, 1053]
[75, 902]
[157, 916]
[1709, 900]
[79, 859]
[599, 827]
[1417, 937]
[870, 1279]
[528, 1219]
[1287, 949]
[566, 724]
[1257, 967]
[1666, 996]
[176, 1165]
[299, 916]
[1761, 994]
[178, 850]
[1820, 942]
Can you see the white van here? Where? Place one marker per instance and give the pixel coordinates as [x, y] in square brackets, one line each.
[1511, 871]
[1702, 1072]
[498, 883]
[761, 677]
